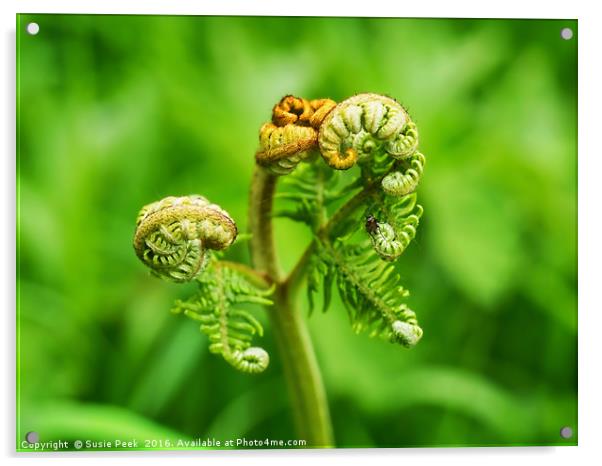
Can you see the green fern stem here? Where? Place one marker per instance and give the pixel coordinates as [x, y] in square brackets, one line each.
[304, 381]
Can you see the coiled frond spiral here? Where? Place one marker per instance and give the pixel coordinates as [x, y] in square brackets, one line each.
[173, 235]
[395, 227]
[364, 125]
[401, 183]
[406, 330]
[283, 147]
[292, 135]
[385, 241]
[301, 112]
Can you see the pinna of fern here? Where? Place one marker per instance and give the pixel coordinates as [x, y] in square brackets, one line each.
[230, 329]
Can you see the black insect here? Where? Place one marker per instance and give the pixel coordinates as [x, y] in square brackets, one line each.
[371, 224]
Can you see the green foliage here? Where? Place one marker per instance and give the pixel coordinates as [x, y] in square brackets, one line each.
[369, 288]
[310, 190]
[230, 329]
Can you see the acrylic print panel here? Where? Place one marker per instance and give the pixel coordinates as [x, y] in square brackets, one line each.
[249, 173]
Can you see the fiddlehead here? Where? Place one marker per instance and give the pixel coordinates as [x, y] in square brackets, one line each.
[401, 183]
[384, 240]
[301, 112]
[283, 147]
[173, 235]
[292, 135]
[406, 330]
[395, 227]
[377, 133]
[365, 125]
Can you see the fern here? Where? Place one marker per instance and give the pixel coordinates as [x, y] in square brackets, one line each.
[369, 288]
[377, 134]
[347, 170]
[230, 329]
[394, 226]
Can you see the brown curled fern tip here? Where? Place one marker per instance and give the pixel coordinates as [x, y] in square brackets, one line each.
[301, 112]
[366, 129]
[292, 135]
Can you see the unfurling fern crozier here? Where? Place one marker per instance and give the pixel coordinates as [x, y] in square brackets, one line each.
[364, 125]
[292, 135]
[175, 238]
[173, 235]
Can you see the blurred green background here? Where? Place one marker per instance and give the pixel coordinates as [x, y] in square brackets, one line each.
[118, 111]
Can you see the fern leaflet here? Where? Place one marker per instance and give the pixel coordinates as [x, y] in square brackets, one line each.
[369, 288]
[230, 329]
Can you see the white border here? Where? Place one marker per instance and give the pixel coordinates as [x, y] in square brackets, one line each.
[508, 8]
[590, 233]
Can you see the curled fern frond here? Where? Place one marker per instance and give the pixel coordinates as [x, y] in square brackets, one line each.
[406, 331]
[384, 239]
[395, 227]
[376, 133]
[321, 108]
[405, 142]
[401, 183]
[364, 125]
[173, 235]
[301, 112]
[292, 134]
[283, 147]
[291, 110]
[230, 329]
[370, 290]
